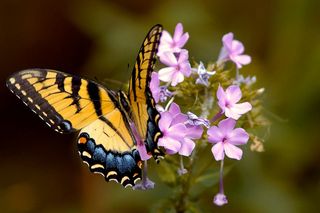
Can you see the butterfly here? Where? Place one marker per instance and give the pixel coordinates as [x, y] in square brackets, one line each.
[108, 121]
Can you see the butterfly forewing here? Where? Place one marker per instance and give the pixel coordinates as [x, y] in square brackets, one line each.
[144, 113]
[66, 103]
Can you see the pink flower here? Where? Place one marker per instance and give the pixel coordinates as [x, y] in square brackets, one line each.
[228, 100]
[232, 50]
[177, 67]
[159, 93]
[174, 45]
[173, 133]
[225, 138]
[179, 139]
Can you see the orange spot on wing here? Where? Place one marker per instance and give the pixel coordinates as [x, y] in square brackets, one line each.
[82, 140]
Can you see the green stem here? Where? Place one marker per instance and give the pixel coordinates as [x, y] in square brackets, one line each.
[144, 173]
[221, 190]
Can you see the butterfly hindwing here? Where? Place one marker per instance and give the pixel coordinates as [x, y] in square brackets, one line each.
[144, 113]
[108, 148]
[65, 102]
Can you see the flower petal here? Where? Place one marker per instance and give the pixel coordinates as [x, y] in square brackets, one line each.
[165, 43]
[165, 121]
[232, 151]
[174, 109]
[183, 40]
[165, 74]
[241, 108]
[177, 131]
[187, 147]
[183, 56]
[226, 126]
[215, 135]
[169, 59]
[179, 118]
[165, 38]
[194, 132]
[238, 137]
[154, 86]
[220, 93]
[178, 32]
[237, 47]
[172, 146]
[177, 77]
[227, 41]
[231, 114]
[185, 68]
[243, 59]
[233, 93]
[223, 55]
[218, 151]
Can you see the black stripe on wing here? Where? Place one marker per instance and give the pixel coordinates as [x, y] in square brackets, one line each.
[31, 98]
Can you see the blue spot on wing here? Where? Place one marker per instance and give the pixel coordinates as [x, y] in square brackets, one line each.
[124, 164]
[99, 155]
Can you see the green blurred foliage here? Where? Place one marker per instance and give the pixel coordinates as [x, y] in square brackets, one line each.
[41, 171]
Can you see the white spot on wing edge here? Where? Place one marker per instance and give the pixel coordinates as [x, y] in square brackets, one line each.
[97, 166]
[85, 162]
[113, 179]
[17, 86]
[112, 173]
[128, 185]
[86, 154]
[124, 179]
[99, 173]
[12, 80]
[136, 180]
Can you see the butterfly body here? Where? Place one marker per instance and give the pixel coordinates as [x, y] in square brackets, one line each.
[108, 121]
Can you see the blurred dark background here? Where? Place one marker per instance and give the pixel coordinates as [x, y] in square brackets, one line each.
[41, 170]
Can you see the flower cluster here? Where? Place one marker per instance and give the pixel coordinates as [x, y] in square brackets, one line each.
[174, 57]
[221, 104]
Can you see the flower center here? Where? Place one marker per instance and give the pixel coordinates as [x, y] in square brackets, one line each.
[224, 140]
[227, 104]
[173, 44]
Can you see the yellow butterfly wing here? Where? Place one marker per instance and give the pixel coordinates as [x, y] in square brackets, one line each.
[108, 147]
[143, 111]
[68, 103]
[65, 102]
